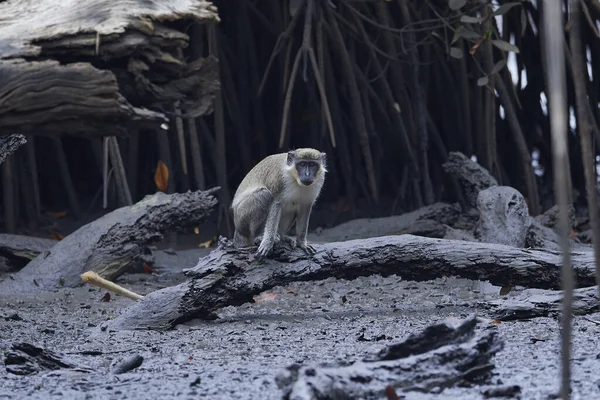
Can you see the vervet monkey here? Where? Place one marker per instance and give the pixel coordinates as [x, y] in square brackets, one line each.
[279, 190]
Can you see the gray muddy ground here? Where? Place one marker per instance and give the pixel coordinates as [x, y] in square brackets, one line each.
[239, 355]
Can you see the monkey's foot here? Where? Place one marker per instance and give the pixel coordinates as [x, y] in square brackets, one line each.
[307, 248]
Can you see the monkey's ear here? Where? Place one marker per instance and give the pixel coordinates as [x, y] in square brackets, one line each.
[291, 158]
[324, 159]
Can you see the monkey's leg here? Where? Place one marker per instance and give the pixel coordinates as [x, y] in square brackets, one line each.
[249, 216]
[286, 221]
[302, 229]
[270, 231]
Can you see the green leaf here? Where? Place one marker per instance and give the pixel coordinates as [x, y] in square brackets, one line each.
[505, 7]
[456, 4]
[498, 66]
[471, 20]
[502, 45]
[456, 52]
[483, 81]
[456, 35]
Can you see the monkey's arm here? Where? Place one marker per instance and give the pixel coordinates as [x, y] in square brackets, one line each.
[302, 228]
[270, 232]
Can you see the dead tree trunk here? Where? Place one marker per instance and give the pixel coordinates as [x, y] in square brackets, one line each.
[229, 276]
[111, 244]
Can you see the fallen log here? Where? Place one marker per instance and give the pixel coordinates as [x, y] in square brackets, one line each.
[534, 303]
[109, 63]
[440, 213]
[25, 247]
[18, 250]
[111, 244]
[229, 276]
[441, 356]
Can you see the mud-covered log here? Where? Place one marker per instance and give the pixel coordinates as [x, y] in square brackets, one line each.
[231, 277]
[99, 67]
[17, 250]
[411, 222]
[533, 303]
[441, 356]
[111, 244]
[26, 359]
[9, 144]
[472, 177]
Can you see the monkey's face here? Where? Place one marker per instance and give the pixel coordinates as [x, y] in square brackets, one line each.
[307, 171]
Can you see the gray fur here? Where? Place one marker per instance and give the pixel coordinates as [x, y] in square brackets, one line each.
[271, 198]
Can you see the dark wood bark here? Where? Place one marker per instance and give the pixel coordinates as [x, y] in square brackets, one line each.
[229, 276]
[99, 67]
[111, 244]
[441, 356]
[472, 177]
[26, 359]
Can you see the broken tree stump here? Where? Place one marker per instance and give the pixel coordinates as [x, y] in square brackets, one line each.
[503, 216]
[441, 356]
[112, 243]
[231, 277]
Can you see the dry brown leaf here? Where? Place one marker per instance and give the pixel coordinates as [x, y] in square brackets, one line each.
[58, 214]
[196, 230]
[496, 321]
[161, 176]
[56, 236]
[264, 297]
[106, 297]
[208, 243]
[291, 291]
[148, 269]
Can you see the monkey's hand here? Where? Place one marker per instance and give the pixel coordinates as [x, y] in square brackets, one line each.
[265, 248]
[306, 247]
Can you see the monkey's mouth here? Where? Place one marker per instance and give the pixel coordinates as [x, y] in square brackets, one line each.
[306, 182]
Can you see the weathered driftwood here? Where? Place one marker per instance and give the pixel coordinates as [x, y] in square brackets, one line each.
[532, 303]
[25, 247]
[441, 356]
[17, 250]
[99, 65]
[472, 177]
[9, 144]
[441, 213]
[111, 244]
[503, 216]
[26, 359]
[229, 276]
